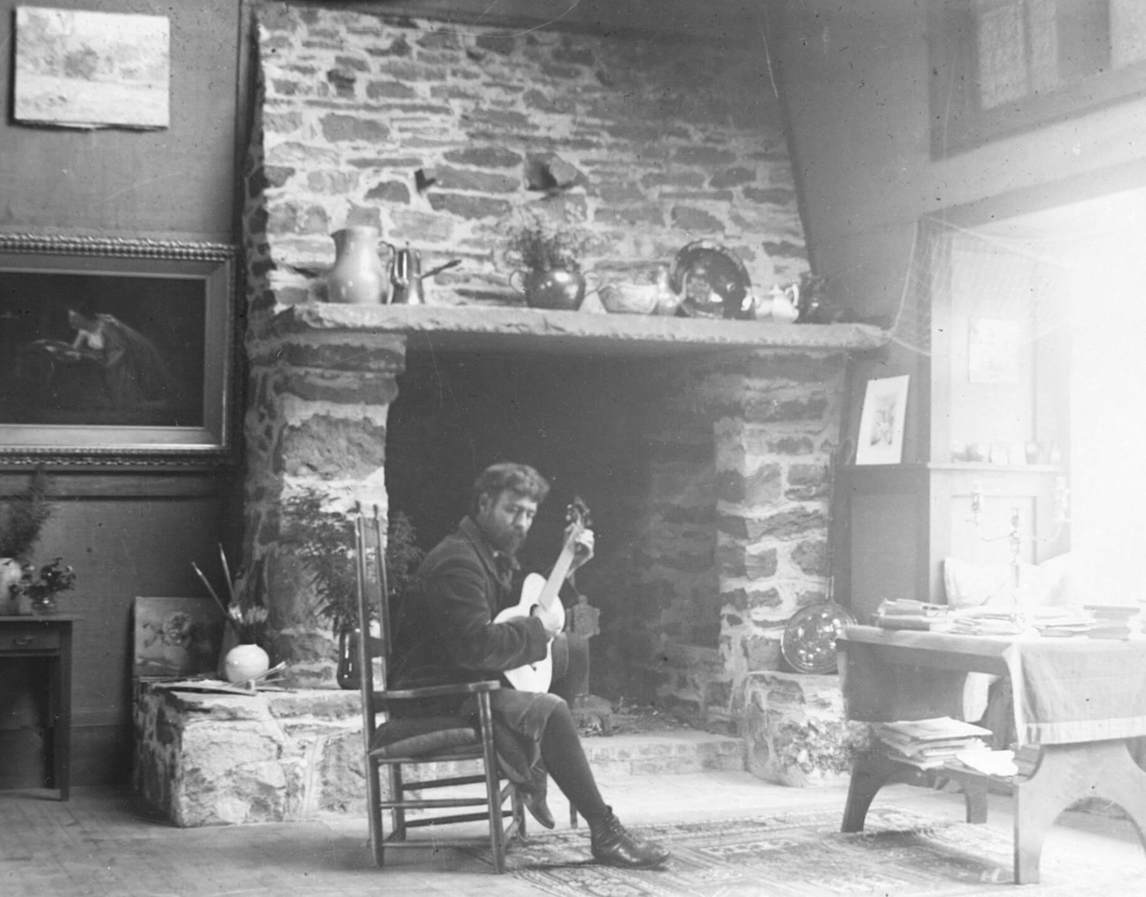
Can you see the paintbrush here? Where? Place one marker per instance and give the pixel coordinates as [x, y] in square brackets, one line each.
[203, 579]
[227, 574]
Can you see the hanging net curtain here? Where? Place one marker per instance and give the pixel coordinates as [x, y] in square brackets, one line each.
[985, 276]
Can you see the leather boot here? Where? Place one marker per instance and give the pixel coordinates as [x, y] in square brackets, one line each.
[533, 796]
[613, 845]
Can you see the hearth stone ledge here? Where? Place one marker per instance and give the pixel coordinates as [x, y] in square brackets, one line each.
[281, 756]
[492, 328]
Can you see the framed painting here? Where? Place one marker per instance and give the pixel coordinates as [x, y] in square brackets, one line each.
[881, 421]
[176, 637]
[115, 351]
[91, 69]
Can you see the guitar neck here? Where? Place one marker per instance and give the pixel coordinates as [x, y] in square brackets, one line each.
[552, 587]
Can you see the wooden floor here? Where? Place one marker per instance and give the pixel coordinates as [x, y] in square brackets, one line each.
[99, 845]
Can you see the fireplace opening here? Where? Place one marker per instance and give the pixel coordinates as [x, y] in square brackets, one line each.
[601, 427]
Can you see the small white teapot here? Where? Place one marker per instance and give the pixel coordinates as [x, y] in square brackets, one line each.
[782, 304]
[785, 303]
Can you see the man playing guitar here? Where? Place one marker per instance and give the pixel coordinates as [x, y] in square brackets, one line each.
[450, 628]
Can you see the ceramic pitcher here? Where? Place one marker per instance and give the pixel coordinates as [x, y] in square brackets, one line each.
[358, 275]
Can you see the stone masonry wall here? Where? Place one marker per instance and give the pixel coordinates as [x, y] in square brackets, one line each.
[670, 142]
[740, 455]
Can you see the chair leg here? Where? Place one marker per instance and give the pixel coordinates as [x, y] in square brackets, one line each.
[496, 821]
[397, 814]
[492, 784]
[572, 815]
[518, 806]
[373, 797]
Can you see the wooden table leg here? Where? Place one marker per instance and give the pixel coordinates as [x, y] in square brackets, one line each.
[62, 720]
[870, 772]
[1066, 774]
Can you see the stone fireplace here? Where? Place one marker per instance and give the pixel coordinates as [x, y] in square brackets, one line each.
[703, 447]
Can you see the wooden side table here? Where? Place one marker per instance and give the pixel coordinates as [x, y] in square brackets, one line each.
[48, 636]
[1084, 751]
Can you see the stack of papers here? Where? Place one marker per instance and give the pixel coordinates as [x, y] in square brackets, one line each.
[975, 621]
[990, 763]
[1061, 621]
[1113, 620]
[930, 743]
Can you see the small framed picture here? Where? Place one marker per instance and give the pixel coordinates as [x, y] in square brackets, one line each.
[880, 439]
[994, 346]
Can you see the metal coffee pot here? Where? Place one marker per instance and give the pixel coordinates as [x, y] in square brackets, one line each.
[406, 277]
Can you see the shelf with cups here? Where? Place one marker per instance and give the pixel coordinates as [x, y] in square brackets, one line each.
[513, 328]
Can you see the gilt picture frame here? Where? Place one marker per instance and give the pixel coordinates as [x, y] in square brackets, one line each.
[115, 352]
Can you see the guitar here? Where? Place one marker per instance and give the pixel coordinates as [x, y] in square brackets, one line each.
[543, 592]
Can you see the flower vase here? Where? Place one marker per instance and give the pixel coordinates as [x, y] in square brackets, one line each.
[558, 288]
[348, 674]
[44, 604]
[245, 662]
[11, 573]
[22, 603]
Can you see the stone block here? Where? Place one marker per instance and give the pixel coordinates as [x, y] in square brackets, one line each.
[216, 759]
[795, 729]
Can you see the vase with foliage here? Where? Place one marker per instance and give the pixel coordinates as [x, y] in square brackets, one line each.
[24, 586]
[324, 540]
[546, 250]
[244, 657]
[41, 585]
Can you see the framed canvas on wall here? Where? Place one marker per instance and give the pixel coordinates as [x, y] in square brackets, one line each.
[115, 350]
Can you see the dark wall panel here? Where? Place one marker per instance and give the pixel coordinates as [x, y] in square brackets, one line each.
[170, 182]
[127, 534]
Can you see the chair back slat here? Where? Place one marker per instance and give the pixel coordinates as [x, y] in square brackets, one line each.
[381, 538]
[365, 598]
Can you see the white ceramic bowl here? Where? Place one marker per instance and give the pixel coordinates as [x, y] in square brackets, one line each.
[630, 298]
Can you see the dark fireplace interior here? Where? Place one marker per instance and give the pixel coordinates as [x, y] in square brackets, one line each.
[589, 423]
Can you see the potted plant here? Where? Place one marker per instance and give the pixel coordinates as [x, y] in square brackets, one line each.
[325, 541]
[546, 250]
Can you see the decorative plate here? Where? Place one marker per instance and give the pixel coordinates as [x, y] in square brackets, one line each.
[711, 281]
[808, 643]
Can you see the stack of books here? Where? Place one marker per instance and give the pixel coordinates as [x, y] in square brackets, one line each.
[1113, 620]
[930, 743]
[903, 613]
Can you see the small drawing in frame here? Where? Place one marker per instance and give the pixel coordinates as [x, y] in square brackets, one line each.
[880, 438]
[176, 637]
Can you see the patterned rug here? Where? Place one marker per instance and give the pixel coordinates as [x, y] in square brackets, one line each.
[900, 854]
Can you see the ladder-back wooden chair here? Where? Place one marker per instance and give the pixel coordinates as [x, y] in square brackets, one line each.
[402, 744]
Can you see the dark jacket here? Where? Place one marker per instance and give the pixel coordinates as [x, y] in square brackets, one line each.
[444, 630]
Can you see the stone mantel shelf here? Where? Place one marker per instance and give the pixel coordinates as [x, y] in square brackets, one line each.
[514, 329]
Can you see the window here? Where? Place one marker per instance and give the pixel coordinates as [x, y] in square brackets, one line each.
[1002, 66]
